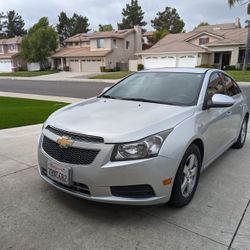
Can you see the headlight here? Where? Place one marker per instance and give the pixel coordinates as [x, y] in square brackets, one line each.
[145, 148]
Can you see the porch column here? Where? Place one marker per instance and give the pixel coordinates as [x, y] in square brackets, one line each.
[52, 63]
[62, 63]
[80, 65]
[235, 56]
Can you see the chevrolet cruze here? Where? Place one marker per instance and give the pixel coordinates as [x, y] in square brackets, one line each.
[146, 139]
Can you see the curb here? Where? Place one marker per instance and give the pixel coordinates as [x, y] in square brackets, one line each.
[58, 80]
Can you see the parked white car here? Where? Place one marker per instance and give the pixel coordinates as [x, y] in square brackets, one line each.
[146, 139]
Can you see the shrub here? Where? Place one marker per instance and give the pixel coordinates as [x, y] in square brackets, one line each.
[102, 68]
[230, 67]
[209, 66]
[140, 67]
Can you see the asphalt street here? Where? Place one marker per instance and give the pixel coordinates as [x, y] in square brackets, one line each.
[53, 88]
[65, 88]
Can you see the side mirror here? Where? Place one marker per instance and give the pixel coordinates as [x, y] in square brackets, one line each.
[105, 89]
[220, 101]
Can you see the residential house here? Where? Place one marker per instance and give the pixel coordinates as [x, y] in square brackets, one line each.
[89, 52]
[147, 39]
[10, 56]
[219, 44]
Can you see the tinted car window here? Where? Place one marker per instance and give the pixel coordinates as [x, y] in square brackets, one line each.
[231, 87]
[163, 87]
[215, 86]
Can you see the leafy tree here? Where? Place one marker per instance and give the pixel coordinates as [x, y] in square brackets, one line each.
[40, 41]
[79, 24]
[202, 24]
[232, 3]
[13, 24]
[63, 27]
[2, 16]
[169, 20]
[247, 23]
[132, 15]
[105, 27]
[158, 35]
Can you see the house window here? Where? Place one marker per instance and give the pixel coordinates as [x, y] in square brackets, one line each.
[1, 49]
[12, 47]
[76, 43]
[127, 44]
[114, 44]
[100, 43]
[203, 40]
[216, 58]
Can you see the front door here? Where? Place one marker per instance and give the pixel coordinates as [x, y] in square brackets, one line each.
[226, 56]
[215, 121]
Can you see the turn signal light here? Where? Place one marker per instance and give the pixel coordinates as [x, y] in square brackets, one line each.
[167, 181]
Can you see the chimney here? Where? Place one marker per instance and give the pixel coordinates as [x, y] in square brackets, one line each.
[138, 40]
[237, 23]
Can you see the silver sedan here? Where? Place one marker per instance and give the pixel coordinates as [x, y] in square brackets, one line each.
[146, 139]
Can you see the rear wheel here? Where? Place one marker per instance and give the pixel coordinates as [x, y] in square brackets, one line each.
[187, 177]
[242, 136]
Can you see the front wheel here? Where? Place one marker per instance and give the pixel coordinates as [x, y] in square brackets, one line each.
[187, 177]
[242, 136]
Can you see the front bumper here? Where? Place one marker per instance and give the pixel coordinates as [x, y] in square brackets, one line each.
[102, 174]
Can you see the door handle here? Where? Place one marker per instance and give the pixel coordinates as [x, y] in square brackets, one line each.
[229, 113]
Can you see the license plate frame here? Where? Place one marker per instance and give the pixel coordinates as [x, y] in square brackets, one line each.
[59, 173]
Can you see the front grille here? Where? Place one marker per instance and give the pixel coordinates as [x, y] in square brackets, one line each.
[137, 191]
[69, 155]
[75, 137]
[76, 187]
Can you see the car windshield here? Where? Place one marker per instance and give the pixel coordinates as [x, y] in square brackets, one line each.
[171, 88]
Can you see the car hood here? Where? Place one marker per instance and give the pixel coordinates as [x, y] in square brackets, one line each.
[118, 120]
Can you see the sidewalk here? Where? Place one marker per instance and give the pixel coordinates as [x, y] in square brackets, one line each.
[41, 97]
[63, 76]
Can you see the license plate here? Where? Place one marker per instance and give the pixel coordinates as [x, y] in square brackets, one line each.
[58, 173]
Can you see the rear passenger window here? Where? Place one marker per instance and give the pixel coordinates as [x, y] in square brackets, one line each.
[215, 86]
[231, 87]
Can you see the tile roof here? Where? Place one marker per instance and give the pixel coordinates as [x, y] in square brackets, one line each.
[148, 33]
[104, 34]
[16, 40]
[229, 34]
[80, 52]
[8, 55]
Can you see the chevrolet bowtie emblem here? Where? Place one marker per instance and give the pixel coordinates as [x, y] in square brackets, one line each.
[64, 142]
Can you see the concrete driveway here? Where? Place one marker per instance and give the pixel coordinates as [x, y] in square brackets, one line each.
[35, 215]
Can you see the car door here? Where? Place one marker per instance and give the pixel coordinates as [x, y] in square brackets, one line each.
[214, 120]
[235, 112]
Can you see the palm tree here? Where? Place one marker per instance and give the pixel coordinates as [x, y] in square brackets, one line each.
[232, 3]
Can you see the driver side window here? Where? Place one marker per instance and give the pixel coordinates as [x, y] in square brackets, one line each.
[215, 86]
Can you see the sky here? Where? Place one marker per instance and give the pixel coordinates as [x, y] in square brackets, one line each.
[105, 12]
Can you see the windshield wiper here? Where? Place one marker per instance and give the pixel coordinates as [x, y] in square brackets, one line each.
[108, 97]
[145, 100]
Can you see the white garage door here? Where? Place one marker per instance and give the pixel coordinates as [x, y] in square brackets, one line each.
[159, 62]
[74, 65]
[187, 61]
[91, 65]
[5, 66]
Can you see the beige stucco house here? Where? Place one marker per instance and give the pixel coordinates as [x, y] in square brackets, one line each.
[220, 44]
[88, 52]
[10, 56]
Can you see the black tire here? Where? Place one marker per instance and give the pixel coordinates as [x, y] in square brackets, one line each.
[177, 197]
[240, 142]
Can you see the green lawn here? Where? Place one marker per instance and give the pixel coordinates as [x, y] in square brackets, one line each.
[113, 75]
[15, 112]
[27, 73]
[240, 75]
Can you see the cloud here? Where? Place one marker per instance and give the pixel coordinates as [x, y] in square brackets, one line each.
[98, 12]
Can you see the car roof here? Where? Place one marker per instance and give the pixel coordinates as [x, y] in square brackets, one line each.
[178, 70]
